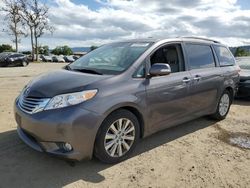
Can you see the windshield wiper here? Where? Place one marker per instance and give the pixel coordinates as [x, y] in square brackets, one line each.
[91, 71]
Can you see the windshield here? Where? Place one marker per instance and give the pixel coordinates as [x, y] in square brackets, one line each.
[244, 63]
[111, 58]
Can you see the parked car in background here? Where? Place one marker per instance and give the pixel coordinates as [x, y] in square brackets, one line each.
[104, 102]
[76, 57]
[46, 58]
[69, 59]
[244, 85]
[30, 58]
[13, 59]
[54, 59]
[58, 59]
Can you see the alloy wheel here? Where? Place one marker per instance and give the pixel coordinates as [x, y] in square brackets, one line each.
[224, 104]
[119, 137]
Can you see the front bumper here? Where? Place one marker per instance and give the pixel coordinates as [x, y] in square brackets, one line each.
[42, 131]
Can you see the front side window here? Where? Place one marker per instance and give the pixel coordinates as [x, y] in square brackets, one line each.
[224, 56]
[171, 55]
[140, 73]
[111, 58]
[200, 56]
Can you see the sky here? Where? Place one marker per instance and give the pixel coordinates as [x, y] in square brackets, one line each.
[81, 23]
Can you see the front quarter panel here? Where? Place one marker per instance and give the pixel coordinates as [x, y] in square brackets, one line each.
[115, 95]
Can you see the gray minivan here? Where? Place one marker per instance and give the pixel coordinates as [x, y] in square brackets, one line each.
[104, 102]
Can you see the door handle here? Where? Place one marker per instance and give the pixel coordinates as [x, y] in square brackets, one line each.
[197, 77]
[186, 80]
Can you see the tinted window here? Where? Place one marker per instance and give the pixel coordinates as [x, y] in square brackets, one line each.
[224, 56]
[16, 55]
[200, 56]
[13, 56]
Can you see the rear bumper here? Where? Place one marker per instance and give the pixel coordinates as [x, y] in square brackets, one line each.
[44, 131]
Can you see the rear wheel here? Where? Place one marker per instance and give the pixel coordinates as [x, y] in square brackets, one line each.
[223, 106]
[117, 137]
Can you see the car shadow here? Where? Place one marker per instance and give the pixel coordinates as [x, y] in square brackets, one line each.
[20, 166]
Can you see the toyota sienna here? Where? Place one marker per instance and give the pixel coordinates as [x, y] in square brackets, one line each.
[104, 102]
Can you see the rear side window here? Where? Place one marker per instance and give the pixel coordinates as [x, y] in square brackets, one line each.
[200, 56]
[224, 56]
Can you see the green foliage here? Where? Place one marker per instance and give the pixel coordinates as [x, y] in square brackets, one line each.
[43, 50]
[62, 50]
[93, 48]
[241, 52]
[6, 48]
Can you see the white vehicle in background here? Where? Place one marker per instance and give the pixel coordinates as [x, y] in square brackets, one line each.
[46, 58]
[58, 59]
[69, 59]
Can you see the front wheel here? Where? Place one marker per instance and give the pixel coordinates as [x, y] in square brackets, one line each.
[117, 137]
[223, 106]
[24, 63]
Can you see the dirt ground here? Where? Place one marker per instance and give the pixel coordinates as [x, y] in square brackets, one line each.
[195, 154]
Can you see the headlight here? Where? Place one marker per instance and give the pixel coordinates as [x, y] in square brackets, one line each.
[70, 99]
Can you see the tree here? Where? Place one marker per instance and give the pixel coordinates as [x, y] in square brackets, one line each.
[66, 50]
[43, 50]
[241, 52]
[56, 51]
[14, 21]
[35, 15]
[62, 50]
[6, 48]
[93, 48]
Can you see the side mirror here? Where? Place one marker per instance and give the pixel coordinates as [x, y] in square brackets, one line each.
[159, 69]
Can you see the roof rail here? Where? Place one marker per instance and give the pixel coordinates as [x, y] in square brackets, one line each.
[201, 38]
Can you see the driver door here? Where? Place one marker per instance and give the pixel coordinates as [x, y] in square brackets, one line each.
[168, 97]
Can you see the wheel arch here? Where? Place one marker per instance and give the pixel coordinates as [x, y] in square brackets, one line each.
[139, 117]
[231, 91]
[133, 109]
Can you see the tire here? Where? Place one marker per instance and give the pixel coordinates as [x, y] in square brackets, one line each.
[223, 106]
[25, 63]
[111, 147]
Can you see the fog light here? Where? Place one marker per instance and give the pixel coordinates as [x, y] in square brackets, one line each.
[67, 147]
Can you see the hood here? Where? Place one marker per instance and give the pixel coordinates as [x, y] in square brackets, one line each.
[59, 82]
[244, 74]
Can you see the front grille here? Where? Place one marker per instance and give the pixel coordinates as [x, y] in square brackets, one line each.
[31, 104]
